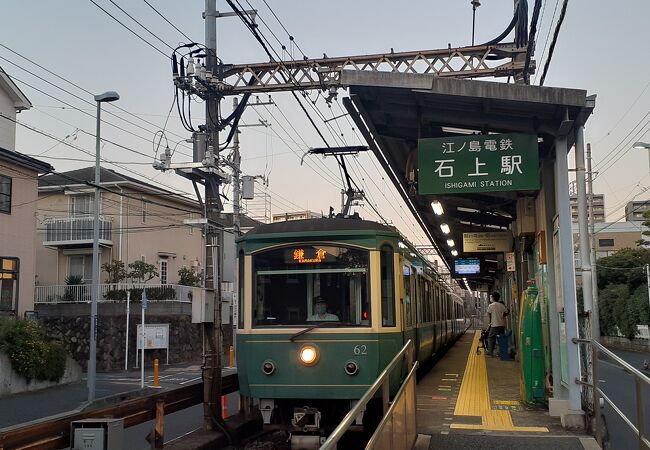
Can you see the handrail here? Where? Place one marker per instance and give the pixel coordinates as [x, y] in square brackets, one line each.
[639, 377]
[350, 417]
[377, 434]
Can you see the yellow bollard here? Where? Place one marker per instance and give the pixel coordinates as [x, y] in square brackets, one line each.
[232, 356]
[155, 372]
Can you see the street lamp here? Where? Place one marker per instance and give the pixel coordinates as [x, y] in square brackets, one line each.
[642, 145]
[647, 266]
[106, 97]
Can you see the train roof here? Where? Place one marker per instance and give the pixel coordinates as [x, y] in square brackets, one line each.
[321, 224]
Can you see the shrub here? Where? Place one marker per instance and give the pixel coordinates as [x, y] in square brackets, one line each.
[186, 277]
[31, 354]
[161, 293]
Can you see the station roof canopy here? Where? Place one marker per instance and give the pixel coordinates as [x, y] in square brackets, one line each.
[394, 110]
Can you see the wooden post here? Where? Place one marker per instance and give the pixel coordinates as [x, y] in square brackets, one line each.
[160, 423]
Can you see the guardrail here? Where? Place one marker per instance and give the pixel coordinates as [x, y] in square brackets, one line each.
[391, 434]
[54, 433]
[81, 293]
[639, 380]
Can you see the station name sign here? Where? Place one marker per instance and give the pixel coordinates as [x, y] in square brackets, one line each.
[487, 242]
[478, 163]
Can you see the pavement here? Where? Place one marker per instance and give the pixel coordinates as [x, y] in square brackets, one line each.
[21, 408]
[469, 400]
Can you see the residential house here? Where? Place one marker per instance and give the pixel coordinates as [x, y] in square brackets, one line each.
[18, 198]
[138, 222]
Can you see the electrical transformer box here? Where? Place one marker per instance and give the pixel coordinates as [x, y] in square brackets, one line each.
[97, 434]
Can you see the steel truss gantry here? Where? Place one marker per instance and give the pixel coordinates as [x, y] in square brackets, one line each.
[497, 60]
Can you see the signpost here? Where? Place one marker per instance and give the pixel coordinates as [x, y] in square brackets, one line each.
[487, 242]
[156, 336]
[478, 163]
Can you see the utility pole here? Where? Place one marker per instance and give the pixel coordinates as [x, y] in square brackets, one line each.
[236, 178]
[595, 319]
[214, 235]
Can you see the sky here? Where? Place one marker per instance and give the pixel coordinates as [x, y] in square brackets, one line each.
[601, 48]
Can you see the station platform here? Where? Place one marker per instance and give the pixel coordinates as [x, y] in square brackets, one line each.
[470, 400]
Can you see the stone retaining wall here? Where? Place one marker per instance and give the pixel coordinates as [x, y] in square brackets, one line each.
[621, 343]
[70, 323]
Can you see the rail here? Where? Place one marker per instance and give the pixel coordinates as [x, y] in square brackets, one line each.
[639, 380]
[397, 430]
[54, 433]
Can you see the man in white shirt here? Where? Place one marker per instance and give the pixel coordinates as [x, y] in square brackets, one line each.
[497, 313]
[321, 314]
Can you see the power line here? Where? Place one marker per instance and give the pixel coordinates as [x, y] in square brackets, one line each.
[139, 23]
[33, 129]
[130, 30]
[614, 156]
[554, 41]
[112, 105]
[548, 35]
[167, 20]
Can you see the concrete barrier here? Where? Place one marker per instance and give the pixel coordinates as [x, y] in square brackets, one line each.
[12, 383]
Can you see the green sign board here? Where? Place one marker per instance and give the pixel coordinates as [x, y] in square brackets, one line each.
[478, 163]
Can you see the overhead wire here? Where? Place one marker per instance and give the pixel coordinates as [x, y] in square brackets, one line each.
[556, 34]
[142, 26]
[71, 83]
[129, 29]
[167, 20]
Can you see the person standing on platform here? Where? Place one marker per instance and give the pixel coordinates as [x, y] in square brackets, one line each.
[497, 313]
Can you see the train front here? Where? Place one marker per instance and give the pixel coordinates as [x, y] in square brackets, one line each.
[309, 342]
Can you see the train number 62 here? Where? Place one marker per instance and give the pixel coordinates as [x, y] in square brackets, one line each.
[360, 350]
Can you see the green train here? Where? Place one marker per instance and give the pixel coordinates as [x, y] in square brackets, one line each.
[324, 305]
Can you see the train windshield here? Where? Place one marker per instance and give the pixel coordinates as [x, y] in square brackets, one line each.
[311, 284]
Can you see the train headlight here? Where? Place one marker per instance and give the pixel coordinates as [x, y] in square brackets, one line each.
[268, 367]
[308, 355]
[351, 368]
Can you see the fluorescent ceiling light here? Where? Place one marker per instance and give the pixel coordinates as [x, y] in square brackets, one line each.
[454, 252]
[437, 208]
[445, 228]
[450, 242]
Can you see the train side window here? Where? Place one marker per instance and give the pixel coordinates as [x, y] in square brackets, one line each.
[387, 286]
[240, 294]
[408, 318]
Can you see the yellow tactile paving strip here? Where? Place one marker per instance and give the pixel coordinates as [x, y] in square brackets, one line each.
[474, 399]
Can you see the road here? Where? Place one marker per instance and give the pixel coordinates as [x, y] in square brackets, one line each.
[619, 386]
[20, 408]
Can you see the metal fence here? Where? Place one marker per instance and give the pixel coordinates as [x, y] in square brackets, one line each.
[81, 293]
[76, 229]
[398, 428]
[640, 380]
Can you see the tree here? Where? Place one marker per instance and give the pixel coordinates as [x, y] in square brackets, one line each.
[116, 271]
[187, 277]
[142, 271]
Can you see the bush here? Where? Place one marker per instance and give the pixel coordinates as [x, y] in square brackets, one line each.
[116, 294]
[32, 355]
[161, 293]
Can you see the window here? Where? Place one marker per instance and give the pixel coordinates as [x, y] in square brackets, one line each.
[605, 242]
[241, 282]
[408, 295]
[8, 283]
[144, 211]
[386, 259]
[311, 284]
[82, 205]
[5, 194]
[81, 266]
[163, 271]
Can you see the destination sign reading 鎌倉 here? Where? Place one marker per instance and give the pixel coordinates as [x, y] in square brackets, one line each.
[478, 163]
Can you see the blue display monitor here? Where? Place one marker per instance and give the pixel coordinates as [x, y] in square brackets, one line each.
[464, 267]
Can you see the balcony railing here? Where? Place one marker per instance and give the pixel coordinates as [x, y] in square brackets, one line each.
[81, 293]
[62, 231]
